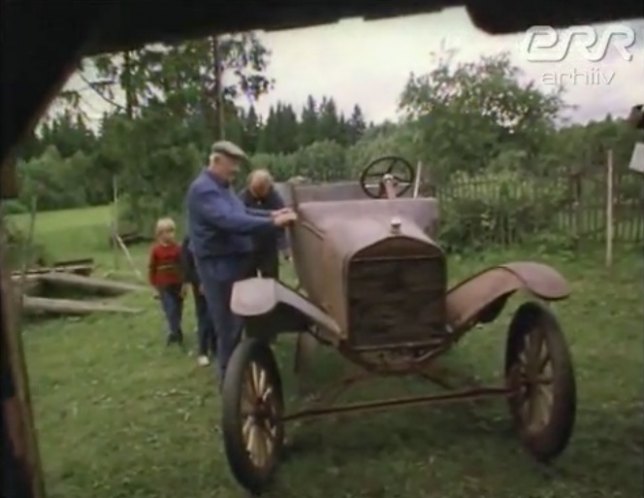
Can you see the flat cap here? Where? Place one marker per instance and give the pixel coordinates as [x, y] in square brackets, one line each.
[228, 148]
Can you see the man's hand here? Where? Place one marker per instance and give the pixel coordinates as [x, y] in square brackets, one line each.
[279, 212]
[201, 289]
[184, 291]
[283, 219]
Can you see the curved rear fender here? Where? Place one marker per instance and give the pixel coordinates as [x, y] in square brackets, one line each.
[481, 298]
[270, 307]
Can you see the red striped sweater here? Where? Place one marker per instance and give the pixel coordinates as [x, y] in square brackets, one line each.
[165, 265]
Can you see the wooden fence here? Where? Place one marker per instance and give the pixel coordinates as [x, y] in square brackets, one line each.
[508, 210]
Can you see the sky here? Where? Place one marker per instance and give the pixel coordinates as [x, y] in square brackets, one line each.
[369, 62]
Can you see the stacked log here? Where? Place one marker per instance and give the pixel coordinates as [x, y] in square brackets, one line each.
[77, 267]
[45, 306]
[26, 287]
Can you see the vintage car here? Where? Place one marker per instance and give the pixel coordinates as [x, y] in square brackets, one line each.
[373, 285]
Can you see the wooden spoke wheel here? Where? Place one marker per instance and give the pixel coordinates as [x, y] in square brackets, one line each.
[252, 410]
[539, 367]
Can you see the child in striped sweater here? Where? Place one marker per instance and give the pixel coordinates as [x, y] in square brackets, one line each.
[166, 277]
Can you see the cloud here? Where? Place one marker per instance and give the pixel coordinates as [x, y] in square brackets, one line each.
[368, 63]
[610, 85]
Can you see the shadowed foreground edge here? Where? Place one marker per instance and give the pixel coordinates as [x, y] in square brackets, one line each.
[34, 69]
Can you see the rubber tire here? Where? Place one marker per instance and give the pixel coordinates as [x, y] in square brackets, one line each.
[248, 351]
[549, 442]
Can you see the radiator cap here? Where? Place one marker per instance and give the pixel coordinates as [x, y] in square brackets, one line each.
[395, 225]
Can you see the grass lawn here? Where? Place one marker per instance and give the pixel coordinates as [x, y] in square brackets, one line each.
[69, 233]
[119, 415]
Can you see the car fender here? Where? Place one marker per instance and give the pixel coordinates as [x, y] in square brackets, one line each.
[481, 297]
[270, 307]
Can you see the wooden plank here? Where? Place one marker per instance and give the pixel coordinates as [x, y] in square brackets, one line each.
[41, 305]
[28, 244]
[130, 261]
[90, 284]
[17, 408]
[609, 209]
[30, 286]
[82, 269]
[115, 218]
[74, 262]
[579, 210]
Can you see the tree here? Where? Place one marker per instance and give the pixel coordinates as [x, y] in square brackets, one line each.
[308, 123]
[155, 143]
[54, 179]
[356, 124]
[268, 133]
[280, 131]
[252, 127]
[287, 129]
[328, 124]
[468, 113]
[155, 159]
[585, 147]
[233, 121]
[69, 134]
[182, 77]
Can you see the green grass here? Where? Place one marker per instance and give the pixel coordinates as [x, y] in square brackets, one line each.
[119, 415]
[69, 233]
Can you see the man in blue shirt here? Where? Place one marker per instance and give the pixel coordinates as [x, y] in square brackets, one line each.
[221, 229]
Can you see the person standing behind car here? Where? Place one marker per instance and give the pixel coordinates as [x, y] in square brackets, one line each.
[261, 194]
[221, 230]
[206, 336]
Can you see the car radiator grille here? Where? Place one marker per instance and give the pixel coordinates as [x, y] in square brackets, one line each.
[395, 301]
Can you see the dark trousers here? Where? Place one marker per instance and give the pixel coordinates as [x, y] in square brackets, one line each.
[172, 305]
[227, 325]
[266, 262]
[205, 330]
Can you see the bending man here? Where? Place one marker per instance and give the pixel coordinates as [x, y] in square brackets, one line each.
[220, 230]
[260, 194]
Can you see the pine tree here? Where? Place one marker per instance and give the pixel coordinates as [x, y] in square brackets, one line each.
[251, 131]
[308, 123]
[328, 128]
[357, 124]
[267, 138]
[289, 130]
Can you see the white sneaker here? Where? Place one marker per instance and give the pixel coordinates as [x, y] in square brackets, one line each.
[203, 361]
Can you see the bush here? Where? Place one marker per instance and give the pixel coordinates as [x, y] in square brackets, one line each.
[322, 161]
[54, 180]
[386, 141]
[16, 250]
[501, 208]
[14, 206]
[156, 162]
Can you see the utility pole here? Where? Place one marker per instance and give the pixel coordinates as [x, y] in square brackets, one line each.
[218, 94]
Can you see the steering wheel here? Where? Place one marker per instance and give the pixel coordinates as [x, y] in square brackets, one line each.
[396, 166]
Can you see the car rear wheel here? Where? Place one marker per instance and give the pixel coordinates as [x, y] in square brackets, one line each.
[252, 410]
[539, 367]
